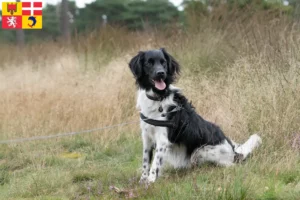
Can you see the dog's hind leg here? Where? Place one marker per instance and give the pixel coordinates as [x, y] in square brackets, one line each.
[221, 154]
[245, 149]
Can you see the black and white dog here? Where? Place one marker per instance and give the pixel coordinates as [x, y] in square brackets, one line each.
[170, 124]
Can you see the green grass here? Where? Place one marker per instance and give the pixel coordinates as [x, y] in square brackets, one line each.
[44, 171]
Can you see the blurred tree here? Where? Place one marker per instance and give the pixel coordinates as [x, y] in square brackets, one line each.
[134, 14]
[196, 7]
[6, 36]
[194, 11]
[51, 21]
[52, 29]
[205, 6]
[61, 19]
[296, 6]
[151, 13]
[65, 20]
[20, 36]
[90, 17]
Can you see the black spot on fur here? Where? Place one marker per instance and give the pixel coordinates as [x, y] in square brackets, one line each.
[150, 153]
[160, 161]
[145, 159]
[238, 158]
[157, 161]
[157, 170]
[160, 149]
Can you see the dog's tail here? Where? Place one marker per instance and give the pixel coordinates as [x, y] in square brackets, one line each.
[245, 149]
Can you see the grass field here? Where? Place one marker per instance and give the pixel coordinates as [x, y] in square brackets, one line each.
[245, 78]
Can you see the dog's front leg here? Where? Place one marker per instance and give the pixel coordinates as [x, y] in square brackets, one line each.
[147, 156]
[157, 163]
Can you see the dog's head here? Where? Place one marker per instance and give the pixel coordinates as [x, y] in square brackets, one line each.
[154, 69]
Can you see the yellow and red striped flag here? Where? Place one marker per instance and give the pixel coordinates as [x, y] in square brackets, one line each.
[22, 15]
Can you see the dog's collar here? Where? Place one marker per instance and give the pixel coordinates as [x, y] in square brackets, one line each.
[154, 122]
[163, 123]
[154, 98]
[161, 97]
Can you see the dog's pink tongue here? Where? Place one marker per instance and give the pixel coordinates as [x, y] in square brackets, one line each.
[161, 85]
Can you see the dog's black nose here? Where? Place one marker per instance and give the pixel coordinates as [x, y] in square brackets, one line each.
[160, 73]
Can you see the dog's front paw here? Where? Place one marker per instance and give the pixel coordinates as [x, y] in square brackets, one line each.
[143, 179]
[146, 181]
[151, 179]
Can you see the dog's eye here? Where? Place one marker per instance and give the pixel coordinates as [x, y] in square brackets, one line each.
[163, 62]
[150, 61]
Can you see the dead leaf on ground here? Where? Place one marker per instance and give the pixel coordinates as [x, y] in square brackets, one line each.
[128, 193]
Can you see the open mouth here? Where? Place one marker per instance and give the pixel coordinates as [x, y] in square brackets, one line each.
[159, 84]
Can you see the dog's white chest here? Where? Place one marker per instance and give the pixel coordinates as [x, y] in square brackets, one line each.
[154, 110]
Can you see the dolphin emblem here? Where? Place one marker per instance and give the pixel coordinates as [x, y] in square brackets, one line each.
[31, 18]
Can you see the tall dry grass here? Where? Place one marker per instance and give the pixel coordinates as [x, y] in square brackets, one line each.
[243, 76]
[60, 98]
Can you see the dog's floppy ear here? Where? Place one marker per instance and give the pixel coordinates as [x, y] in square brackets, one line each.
[135, 64]
[173, 65]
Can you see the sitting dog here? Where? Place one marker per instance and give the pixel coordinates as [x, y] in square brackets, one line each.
[170, 124]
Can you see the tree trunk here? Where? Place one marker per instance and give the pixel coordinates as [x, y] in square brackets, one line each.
[297, 11]
[65, 21]
[20, 36]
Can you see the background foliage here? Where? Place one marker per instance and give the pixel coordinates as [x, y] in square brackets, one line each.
[144, 15]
